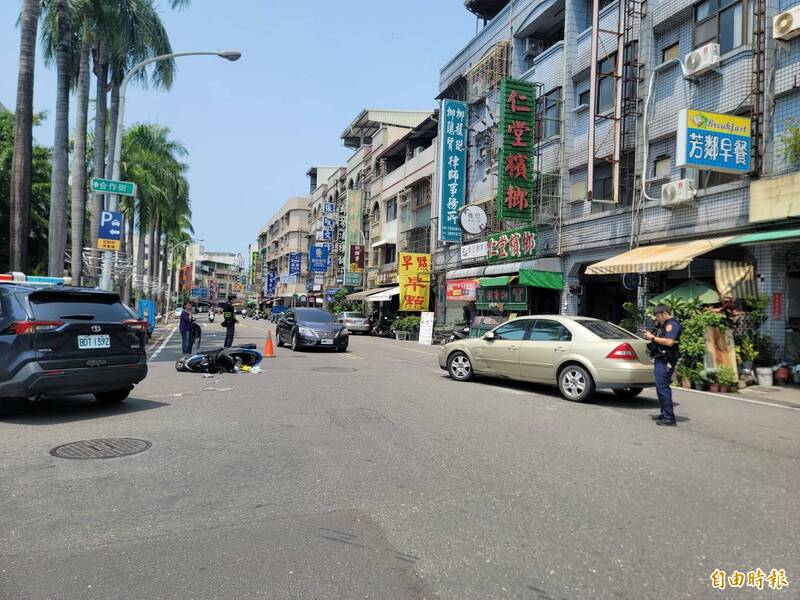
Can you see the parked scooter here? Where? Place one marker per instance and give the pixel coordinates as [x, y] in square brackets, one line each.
[459, 333]
[382, 327]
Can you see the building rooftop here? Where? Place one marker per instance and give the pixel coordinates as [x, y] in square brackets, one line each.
[370, 120]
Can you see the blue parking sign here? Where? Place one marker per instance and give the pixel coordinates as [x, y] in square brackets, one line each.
[109, 236]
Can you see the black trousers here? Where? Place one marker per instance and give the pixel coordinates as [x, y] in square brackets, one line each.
[229, 333]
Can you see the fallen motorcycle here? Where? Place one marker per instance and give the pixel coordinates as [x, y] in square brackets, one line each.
[221, 360]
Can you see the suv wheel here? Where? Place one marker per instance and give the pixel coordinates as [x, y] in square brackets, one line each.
[113, 397]
[459, 366]
[575, 383]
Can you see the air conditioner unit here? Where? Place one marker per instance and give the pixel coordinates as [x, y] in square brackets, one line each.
[534, 47]
[702, 60]
[677, 192]
[786, 25]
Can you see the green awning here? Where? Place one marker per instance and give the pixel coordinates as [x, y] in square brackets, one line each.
[542, 279]
[763, 237]
[499, 281]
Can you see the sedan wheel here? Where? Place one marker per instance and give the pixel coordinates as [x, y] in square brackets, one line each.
[295, 343]
[459, 366]
[575, 383]
[278, 340]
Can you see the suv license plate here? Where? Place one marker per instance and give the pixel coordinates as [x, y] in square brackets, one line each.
[327, 342]
[92, 342]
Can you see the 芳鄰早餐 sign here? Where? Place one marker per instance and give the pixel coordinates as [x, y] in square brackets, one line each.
[713, 141]
[518, 129]
[517, 244]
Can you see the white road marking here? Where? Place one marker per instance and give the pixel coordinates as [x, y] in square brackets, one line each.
[739, 398]
[164, 343]
[352, 356]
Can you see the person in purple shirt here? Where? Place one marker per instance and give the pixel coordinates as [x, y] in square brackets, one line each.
[186, 328]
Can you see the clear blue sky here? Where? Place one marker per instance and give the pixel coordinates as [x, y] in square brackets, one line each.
[255, 126]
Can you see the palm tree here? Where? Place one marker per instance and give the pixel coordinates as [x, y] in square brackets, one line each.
[78, 212]
[57, 226]
[23, 139]
[154, 161]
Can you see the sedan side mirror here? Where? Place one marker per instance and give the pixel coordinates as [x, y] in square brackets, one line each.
[489, 336]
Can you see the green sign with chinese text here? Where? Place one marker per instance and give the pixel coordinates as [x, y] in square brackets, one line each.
[517, 244]
[518, 132]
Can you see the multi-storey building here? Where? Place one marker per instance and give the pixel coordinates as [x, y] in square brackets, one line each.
[372, 219]
[283, 237]
[598, 68]
[218, 274]
[321, 231]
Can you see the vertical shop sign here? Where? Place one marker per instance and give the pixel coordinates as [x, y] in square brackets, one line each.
[318, 259]
[414, 277]
[253, 266]
[272, 283]
[295, 263]
[353, 234]
[452, 167]
[356, 264]
[518, 131]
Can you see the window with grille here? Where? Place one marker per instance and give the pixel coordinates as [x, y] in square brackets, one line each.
[721, 21]
[549, 114]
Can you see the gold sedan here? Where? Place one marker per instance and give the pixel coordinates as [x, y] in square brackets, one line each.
[577, 354]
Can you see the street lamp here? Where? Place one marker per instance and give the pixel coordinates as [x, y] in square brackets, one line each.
[230, 55]
[170, 252]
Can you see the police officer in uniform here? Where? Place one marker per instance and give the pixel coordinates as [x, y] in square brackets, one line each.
[663, 348]
[229, 321]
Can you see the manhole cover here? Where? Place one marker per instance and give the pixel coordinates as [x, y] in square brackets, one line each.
[333, 370]
[102, 448]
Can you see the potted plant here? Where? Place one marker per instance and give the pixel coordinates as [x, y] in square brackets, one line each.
[684, 374]
[711, 376]
[727, 379]
[698, 379]
[763, 360]
[406, 328]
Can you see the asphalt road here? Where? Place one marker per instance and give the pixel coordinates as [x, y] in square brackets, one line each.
[370, 474]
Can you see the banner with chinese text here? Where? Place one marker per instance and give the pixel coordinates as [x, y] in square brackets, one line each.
[517, 244]
[253, 266]
[353, 234]
[713, 141]
[318, 259]
[295, 263]
[452, 167]
[414, 277]
[462, 290]
[518, 130]
[356, 264]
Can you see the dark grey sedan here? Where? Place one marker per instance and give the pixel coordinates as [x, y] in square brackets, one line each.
[311, 327]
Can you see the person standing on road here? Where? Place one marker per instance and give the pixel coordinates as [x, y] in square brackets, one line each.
[185, 328]
[229, 321]
[663, 348]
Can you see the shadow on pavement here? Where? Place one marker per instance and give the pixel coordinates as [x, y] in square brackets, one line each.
[54, 411]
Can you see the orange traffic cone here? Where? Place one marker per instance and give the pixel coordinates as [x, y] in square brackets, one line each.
[268, 351]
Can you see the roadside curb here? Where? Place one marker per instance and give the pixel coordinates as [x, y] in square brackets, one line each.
[741, 398]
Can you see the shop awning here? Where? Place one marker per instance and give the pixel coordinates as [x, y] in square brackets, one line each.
[385, 295]
[735, 279]
[499, 281]
[541, 279]
[764, 237]
[380, 243]
[469, 273]
[364, 294]
[661, 257]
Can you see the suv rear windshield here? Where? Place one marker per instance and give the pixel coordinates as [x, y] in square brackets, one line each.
[606, 330]
[49, 306]
[314, 315]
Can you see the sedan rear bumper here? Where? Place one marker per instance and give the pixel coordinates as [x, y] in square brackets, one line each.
[634, 376]
[32, 380]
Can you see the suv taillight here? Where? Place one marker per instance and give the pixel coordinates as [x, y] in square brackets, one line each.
[623, 352]
[135, 325]
[29, 327]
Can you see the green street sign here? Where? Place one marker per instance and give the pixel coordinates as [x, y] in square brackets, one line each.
[109, 186]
